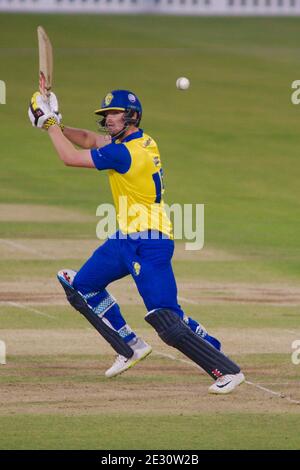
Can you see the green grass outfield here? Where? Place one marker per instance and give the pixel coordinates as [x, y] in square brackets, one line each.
[134, 432]
[231, 142]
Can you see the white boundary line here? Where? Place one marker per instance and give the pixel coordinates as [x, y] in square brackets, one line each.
[278, 394]
[280, 383]
[169, 356]
[293, 332]
[30, 309]
[22, 247]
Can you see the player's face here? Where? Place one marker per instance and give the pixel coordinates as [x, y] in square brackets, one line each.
[114, 121]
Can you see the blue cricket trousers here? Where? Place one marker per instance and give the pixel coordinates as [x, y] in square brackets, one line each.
[148, 260]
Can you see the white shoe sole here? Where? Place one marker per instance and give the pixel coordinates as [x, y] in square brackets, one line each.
[231, 386]
[129, 364]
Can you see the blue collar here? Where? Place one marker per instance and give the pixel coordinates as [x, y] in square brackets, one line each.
[135, 135]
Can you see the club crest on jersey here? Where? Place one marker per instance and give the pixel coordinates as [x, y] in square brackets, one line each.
[108, 99]
[136, 268]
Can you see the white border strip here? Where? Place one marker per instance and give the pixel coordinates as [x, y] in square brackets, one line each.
[170, 7]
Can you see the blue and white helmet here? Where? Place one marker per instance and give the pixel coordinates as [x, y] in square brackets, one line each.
[122, 100]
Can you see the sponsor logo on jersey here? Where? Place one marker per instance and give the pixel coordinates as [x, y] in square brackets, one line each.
[147, 142]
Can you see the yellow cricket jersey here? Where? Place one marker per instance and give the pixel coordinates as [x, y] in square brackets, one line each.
[136, 181]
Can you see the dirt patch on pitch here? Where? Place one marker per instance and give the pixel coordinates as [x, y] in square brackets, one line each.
[47, 291]
[40, 213]
[215, 292]
[51, 371]
[35, 292]
[152, 387]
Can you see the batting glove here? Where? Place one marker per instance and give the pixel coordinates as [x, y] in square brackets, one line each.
[40, 114]
[53, 104]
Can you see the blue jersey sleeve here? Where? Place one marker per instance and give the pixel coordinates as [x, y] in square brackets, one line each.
[112, 157]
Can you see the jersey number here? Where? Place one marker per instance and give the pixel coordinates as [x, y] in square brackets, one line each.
[159, 184]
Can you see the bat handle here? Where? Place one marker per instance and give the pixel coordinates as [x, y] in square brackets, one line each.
[45, 92]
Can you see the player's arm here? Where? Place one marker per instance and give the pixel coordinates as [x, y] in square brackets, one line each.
[81, 137]
[84, 138]
[67, 152]
[110, 156]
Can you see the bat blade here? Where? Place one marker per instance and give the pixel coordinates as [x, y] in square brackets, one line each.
[45, 63]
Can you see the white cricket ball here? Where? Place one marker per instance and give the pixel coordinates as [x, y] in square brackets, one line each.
[182, 83]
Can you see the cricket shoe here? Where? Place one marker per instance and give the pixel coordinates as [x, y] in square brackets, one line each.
[141, 350]
[227, 383]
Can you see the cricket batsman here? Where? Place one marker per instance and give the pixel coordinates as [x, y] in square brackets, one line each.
[142, 247]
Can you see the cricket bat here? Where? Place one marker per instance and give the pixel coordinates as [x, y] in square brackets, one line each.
[45, 63]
